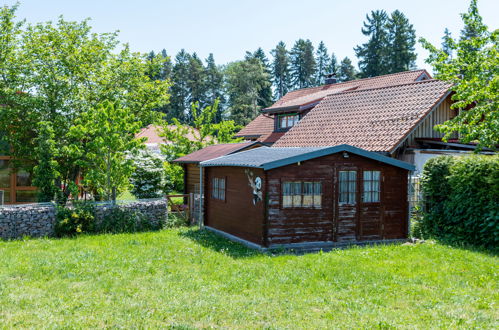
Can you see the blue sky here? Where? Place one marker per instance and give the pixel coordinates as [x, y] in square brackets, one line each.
[229, 28]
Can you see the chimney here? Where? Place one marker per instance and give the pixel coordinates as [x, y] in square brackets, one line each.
[331, 79]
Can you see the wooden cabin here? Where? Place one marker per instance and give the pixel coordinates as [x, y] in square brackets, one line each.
[309, 196]
[190, 162]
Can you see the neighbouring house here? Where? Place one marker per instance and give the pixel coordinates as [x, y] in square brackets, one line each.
[393, 115]
[154, 140]
[295, 197]
[14, 182]
[190, 163]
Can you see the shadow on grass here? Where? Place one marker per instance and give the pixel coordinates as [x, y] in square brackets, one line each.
[219, 244]
[491, 250]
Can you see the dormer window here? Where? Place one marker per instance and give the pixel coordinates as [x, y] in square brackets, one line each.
[286, 121]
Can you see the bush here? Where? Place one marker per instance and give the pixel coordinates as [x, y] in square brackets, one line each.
[148, 179]
[461, 200]
[76, 219]
[174, 178]
[120, 220]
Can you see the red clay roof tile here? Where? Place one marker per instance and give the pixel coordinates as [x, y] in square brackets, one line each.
[373, 119]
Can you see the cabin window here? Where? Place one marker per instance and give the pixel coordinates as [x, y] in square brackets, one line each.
[348, 187]
[301, 194]
[287, 121]
[218, 188]
[372, 185]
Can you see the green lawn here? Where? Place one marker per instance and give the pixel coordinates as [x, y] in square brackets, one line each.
[186, 278]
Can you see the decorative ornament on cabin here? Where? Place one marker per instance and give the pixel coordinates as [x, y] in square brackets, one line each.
[256, 185]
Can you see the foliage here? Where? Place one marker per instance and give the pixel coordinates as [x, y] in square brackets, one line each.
[461, 196]
[474, 71]
[265, 98]
[303, 64]
[58, 72]
[75, 219]
[148, 178]
[153, 280]
[346, 70]
[323, 61]
[187, 139]
[215, 87]
[373, 54]
[108, 132]
[280, 70]
[244, 82]
[390, 48]
[45, 172]
[175, 220]
[124, 220]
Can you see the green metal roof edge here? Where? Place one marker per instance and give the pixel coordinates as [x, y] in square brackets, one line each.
[336, 149]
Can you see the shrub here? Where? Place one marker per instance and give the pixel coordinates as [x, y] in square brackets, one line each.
[174, 178]
[148, 178]
[75, 219]
[120, 220]
[462, 200]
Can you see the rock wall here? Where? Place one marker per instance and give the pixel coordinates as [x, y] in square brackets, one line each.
[34, 220]
[37, 220]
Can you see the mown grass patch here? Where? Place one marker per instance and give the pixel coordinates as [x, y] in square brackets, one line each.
[187, 278]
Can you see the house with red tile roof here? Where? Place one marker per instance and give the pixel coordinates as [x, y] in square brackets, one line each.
[392, 114]
[154, 140]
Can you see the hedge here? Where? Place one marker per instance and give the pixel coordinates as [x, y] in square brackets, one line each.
[461, 200]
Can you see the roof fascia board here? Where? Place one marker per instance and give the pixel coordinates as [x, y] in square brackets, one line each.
[281, 109]
[336, 149]
[421, 121]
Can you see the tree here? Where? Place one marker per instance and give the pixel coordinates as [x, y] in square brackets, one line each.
[302, 64]
[148, 177]
[323, 62]
[333, 65]
[109, 134]
[265, 94]
[45, 172]
[55, 73]
[280, 70]
[196, 82]
[244, 80]
[373, 55]
[447, 43]
[215, 87]
[402, 38]
[474, 71]
[179, 101]
[187, 139]
[346, 71]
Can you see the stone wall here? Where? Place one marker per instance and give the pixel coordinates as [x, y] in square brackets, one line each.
[37, 220]
[34, 220]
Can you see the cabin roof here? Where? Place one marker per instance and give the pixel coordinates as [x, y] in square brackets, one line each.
[377, 119]
[214, 151]
[268, 158]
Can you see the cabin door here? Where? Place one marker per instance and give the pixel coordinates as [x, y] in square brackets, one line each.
[370, 208]
[346, 201]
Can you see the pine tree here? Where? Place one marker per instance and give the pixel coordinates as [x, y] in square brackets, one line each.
[402, 38]
[179, 99]
[373, 55]
[302, 64]
[196, 82]
[280, 70]
[244, 81]
[447, 43]
[346, 70]
[166, 72]
[333, 65]
[265, 94]
[214, 87]
[323, 62]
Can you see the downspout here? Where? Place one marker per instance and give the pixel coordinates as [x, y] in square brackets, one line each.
[201, 220]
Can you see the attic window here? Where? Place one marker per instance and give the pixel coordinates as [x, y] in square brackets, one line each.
[288, 120]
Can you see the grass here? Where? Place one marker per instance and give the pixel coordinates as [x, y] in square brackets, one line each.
[185, 278]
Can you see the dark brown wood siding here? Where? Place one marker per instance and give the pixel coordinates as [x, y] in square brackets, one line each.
[191, 178]
[362, 221]
[237, 215]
